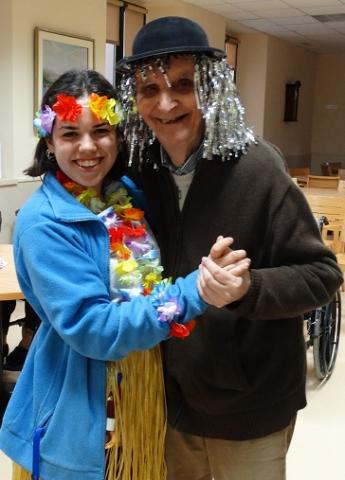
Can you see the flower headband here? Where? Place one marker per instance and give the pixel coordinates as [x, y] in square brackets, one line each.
[66, 108]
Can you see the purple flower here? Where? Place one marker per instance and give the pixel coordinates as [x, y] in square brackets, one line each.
[168, 310]
[47, 116]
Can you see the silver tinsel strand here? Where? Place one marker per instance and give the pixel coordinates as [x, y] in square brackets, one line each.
[226, 134]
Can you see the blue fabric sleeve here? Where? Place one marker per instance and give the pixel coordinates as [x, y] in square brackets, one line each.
[65, 286]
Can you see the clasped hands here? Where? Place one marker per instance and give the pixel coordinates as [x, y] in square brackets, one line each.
[223, 275]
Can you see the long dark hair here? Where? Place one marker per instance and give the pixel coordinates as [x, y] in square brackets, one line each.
[76, 83]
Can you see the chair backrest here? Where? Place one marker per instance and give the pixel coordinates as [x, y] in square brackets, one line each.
[330, 168]
[299, 171]
[334, 209]
[326, 169]
[341, 173]
[321, 181]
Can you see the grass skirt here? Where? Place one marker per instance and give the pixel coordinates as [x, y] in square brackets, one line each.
[18, 473]
[140, 416]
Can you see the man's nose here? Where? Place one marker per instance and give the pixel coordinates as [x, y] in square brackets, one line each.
[167, 100]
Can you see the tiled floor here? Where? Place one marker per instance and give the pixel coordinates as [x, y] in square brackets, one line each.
[317, 447]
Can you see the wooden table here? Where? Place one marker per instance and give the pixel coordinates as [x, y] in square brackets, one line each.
[323, 192]
[9, 287]
[9, 290]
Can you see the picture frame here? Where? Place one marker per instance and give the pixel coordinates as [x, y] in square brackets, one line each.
[54, 54]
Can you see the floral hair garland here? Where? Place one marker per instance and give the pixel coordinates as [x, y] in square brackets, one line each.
[134, 259]
[66, 108]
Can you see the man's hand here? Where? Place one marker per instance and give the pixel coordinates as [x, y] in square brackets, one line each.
[224, 274]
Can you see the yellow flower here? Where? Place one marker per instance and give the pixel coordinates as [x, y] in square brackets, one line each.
[152, 279]
[110, 112]
[105, 108]
[126, 266]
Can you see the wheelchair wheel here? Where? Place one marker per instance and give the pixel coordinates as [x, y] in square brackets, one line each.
[327, 321]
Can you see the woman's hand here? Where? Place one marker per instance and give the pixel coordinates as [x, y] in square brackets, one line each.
[224, 274]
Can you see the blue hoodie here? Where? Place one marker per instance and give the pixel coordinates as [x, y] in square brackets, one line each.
[62, 259]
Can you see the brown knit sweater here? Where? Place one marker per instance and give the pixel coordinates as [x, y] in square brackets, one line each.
[241, 374]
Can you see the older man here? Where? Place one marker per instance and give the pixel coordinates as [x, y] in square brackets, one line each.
[234, 387]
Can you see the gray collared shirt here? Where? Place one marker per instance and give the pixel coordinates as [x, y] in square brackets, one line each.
[188, 166]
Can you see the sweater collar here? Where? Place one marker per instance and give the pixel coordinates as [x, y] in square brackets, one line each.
[64, 205]
[188, 166]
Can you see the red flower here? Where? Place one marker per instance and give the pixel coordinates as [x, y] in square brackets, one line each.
[134, 231]
[116, 235]
[67, 108]
[62, 177]
[180, 330]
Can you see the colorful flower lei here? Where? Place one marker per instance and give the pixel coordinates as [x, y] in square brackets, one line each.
[66, 108]
[134, 258]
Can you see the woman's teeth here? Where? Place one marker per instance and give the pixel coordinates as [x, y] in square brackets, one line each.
[87, 163]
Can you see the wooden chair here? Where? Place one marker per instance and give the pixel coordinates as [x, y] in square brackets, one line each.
[334, 209]
[321, 181]
[330, 168]
[299, 175]
[326, 169]
[299, 171]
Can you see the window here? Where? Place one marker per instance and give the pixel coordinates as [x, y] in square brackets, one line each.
[133, 19]
[112, 39]
[231, 45]
[124, 20]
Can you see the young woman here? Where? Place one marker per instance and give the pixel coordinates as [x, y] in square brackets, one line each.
[89, 266]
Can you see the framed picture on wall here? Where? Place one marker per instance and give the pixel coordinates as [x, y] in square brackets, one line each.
[55, 53]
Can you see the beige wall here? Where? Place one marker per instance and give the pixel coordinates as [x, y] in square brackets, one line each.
[328, 138]
[79, 17]
[251, 78]
[6, 87]
[18, 20]
[287, 63]
[12, 195]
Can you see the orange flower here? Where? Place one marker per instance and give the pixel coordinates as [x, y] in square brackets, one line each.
[96, 104]
[121, 250]
[132, 214]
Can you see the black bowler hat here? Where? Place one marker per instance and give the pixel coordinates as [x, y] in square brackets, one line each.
[167, 35]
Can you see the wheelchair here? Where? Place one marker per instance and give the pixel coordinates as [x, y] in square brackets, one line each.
[323, 330]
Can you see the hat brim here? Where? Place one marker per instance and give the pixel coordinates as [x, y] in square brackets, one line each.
[127, 63]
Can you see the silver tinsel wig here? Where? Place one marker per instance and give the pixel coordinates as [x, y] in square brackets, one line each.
[226, 134]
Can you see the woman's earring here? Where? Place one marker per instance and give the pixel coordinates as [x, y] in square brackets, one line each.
[50, 155]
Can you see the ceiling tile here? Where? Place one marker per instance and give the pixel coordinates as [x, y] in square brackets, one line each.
[279, 12]
[302, 20]
[312, 3]
[325, 10]
[290, 20]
